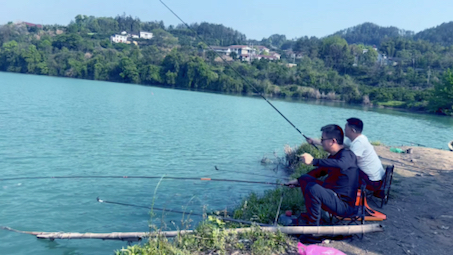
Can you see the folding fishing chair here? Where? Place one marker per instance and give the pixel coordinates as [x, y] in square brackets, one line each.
[358, 216]
[384, 191]
[362, 212]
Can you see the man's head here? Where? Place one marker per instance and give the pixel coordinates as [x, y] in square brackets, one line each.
[353, 128]
[332, 138]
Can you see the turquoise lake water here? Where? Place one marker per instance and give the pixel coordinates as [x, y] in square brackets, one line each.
[58, 127]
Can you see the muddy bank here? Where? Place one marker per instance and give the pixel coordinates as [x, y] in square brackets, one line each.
[420, 209]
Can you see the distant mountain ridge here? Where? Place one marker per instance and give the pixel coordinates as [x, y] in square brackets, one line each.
[372, 34]
[442, 34]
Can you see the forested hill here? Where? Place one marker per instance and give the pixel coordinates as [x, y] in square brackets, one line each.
[400, 72]
[371, 34]
[442, 34]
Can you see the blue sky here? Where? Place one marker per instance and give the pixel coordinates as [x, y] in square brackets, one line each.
[255, 18]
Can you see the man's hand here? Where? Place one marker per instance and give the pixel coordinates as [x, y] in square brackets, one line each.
[292, 184]
[313, 141]
[306, 158]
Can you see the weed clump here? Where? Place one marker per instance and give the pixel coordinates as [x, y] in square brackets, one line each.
[213, 236]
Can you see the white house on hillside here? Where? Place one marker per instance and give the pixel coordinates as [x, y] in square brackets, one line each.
[221, 50]
[247, 53]
[146, 35]
[118, 38]
[241, 49]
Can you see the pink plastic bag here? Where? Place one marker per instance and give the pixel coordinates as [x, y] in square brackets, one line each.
[314, 249]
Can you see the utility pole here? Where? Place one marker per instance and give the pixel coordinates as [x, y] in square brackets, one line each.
[250, 52]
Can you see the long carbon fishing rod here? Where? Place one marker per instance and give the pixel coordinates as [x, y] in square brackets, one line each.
[414, 143]
[136, 177]
[236, 71]
[239, 172]
[181, 212]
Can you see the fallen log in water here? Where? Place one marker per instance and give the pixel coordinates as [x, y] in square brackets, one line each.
[135, 236]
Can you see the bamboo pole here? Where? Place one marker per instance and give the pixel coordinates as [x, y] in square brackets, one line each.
[135, 236]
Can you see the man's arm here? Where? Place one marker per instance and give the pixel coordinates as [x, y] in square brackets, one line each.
[313, 141]
[344, 162]
[316, 173]
[292, 183]
[307, 159]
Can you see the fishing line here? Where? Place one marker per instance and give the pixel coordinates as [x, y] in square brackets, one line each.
[136, 177]
[413, 166]
[236, 71]
[181, 212]
[146, 207]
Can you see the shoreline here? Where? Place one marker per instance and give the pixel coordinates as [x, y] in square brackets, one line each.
[418, 211]
[320, 101]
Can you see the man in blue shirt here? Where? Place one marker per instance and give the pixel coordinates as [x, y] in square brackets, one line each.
[337, 193]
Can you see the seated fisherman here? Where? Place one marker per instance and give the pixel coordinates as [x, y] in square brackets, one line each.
[367, 159]
[337, 193]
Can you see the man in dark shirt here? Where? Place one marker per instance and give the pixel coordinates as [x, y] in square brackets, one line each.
[337, 193]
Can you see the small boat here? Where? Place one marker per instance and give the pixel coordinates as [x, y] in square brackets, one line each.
[450, 145]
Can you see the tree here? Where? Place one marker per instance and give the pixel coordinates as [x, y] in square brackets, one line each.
[45, 46]
[442, 98]
[307, 46]
[211, 55]
[77, 68]
[11, 59]
[229, 84]
[171, 63]
[162, 38]
[274, 41]
[170, 78]
[150, 74]
[129, 71]
[234, 55]
[196, 74]
[32, 57]
[70, 41]
[371, 34]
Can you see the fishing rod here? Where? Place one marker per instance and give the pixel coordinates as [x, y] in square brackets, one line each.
[236, 71]
[414, 143]
[137, 177]
[239, 172]
[181, 212]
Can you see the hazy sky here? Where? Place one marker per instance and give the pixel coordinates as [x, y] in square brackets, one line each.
[255, 18]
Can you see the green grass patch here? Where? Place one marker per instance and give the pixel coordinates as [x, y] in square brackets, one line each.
[376, 143]
[397, 104]
[211, 237]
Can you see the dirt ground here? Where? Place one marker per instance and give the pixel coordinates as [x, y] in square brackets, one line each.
[420, 208]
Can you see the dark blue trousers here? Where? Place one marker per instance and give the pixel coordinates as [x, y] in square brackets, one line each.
[370, 185]
[317, 197]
